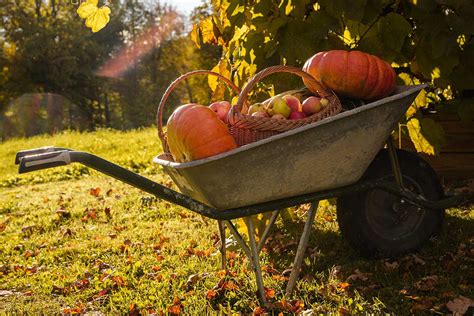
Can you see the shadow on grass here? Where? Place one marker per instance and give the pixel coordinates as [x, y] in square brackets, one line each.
[399, 283]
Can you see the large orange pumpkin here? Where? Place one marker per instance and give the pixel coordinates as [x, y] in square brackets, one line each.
[352, 74]
[194, 131]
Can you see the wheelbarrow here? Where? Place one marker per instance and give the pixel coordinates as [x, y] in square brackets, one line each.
[389, 201]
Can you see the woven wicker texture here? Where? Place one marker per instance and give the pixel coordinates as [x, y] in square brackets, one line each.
[247, 129]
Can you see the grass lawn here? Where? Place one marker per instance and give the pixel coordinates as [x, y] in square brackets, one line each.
[75, 241]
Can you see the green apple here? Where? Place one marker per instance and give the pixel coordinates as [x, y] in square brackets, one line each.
[278, 106]
[255, 108]
[324, 102]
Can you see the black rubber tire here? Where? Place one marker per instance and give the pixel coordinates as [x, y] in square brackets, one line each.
[377, 224]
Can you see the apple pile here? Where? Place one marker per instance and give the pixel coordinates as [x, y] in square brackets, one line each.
[288, 107]
[279, 107]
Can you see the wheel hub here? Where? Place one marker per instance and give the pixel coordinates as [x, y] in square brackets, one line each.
[391, 217]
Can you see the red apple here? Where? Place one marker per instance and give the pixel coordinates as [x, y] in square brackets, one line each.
[312, 105]
[293, 102]
[297, 115]
[222, 109]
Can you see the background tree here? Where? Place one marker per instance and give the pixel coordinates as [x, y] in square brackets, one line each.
[112, 78]
[427, 41]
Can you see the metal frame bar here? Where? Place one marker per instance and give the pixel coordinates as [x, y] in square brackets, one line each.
[397, 172]
[267, 230]
[255, 260]
[296, 269]
[238, 237]
[221, 226]
[253, 249]
[57, 156]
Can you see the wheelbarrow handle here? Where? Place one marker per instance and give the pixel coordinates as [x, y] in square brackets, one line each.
[47, 149]
[43, 160]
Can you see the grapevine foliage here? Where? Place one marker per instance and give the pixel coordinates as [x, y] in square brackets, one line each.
[427, 41]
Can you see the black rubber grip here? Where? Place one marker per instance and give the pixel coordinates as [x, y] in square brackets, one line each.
[44, 161]
[30, 152]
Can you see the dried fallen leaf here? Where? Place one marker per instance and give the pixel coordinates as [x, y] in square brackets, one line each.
[296, 306]
[258, 311]
[160, 258]
[72, 311]
[211, 294]
[109, 192]
[427, 283]
[418, 260]
[229, 285]
[335, 271]
[63, 214]
[422, 305]
[390, 266]
[328, 218]
[28, 229]
[118, 281]
[269, 293]
[92, 214]
[120, 228]
[193, 279]
[68, 232]
[357, 275]
[460, 305]
[343, 285]
[3, 225]
[94, 192]
[133, 310]
[30, 253]
[174, 310]
[107, 212]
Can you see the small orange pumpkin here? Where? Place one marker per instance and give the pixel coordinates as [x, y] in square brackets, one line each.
[194, 131]
[353, 74]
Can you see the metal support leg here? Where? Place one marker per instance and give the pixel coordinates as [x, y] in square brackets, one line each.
[394, 162]
[221, 226]
[295, 271]
[255, 260]
[239, 239]
[267, 230]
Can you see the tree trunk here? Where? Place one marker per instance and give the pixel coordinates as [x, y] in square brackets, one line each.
[38, 8]
[106, 109]
[54, 8]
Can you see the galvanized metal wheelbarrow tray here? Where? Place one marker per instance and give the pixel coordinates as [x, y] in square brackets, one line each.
[321, 160]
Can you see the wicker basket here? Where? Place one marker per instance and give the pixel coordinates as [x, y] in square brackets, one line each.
[246, 128]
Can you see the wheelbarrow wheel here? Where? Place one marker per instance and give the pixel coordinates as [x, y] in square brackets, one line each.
[379, 224]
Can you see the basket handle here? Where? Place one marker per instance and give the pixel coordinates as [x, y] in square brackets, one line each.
[312, 84]
[159, 112]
